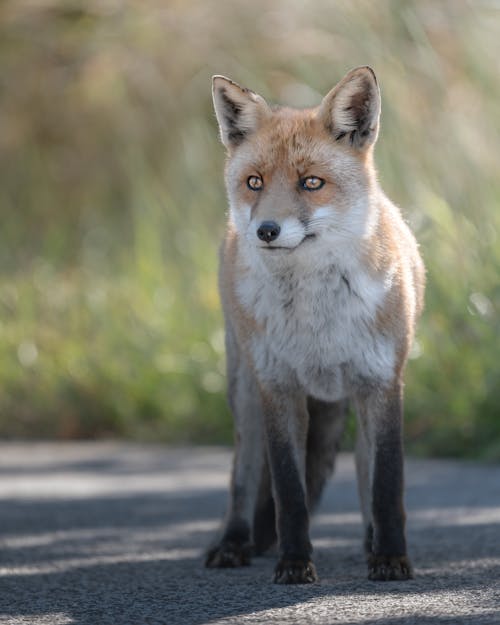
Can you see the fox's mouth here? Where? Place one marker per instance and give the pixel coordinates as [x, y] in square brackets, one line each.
[272, 248]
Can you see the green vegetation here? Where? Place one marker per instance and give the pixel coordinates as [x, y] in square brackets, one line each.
[112, 202]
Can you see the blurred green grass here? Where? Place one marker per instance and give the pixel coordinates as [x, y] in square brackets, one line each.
[112, 202]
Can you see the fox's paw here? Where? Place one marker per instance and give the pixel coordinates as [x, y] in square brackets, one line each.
[387, 568]
[295, 572]
[228, 555]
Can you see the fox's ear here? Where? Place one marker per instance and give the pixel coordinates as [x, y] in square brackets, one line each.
[239, 111]
[351, 110]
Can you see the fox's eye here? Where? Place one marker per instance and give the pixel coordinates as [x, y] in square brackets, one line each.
[255, 183]
[312, 183]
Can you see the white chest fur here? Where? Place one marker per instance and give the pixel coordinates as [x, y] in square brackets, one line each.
[319, 326]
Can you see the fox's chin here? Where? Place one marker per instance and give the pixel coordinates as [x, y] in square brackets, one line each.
[276, 248]
[286, 248]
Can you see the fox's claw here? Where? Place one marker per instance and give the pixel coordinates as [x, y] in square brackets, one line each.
[386, 568]
[295, 572]
[229, 555]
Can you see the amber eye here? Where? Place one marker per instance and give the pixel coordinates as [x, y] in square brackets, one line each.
[312, 183]
[255, 183]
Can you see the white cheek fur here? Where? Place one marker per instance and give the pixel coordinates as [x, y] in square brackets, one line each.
[339, 225]
[240, 216]
[323, 212]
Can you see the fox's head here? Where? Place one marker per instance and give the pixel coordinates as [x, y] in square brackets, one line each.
[298, 177]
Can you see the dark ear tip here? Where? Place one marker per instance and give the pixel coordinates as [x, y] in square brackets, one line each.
[218, 79]
[364, 69]
[372, 72]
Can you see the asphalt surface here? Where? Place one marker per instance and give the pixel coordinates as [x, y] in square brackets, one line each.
[111, 533]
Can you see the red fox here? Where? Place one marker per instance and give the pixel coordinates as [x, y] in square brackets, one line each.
[321, 284]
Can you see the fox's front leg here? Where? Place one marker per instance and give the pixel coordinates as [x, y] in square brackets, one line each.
[380, 475]
[235, 544]
[286, 423]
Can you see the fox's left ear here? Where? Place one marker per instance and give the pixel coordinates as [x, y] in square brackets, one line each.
[351, 110]
[239, 111]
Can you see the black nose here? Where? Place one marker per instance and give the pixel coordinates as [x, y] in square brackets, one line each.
[268, 231]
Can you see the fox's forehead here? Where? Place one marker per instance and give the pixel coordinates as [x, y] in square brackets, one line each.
[290, 139]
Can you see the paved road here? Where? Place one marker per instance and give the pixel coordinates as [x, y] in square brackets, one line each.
[110, 533]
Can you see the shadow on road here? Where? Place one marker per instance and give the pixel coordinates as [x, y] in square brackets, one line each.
[119, 557]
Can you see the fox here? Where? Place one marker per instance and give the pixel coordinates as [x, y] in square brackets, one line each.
[321, 284]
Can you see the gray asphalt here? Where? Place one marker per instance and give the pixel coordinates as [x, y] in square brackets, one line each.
[113, 533]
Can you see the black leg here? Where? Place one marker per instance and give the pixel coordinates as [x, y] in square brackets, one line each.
[380, 418]
[264, 527]
[286, 428]
[326, 426]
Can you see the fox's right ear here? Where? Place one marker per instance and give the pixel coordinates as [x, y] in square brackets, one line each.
[239, 111]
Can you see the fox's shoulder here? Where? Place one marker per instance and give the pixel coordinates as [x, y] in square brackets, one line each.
[392, 254]
[391, 240]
